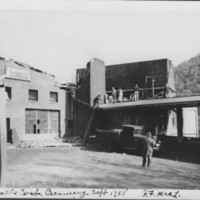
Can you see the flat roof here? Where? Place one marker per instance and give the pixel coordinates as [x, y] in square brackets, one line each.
[136, 62]
[189, 101]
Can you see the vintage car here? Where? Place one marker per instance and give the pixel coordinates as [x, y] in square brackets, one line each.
[129, 137]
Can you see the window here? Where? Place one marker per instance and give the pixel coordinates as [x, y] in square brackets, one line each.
[69, 122]
[53, 96]
[8, 90]
[33, 95]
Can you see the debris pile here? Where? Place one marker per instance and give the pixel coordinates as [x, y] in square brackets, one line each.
[75, 140]
[92, 147]
[40, 143]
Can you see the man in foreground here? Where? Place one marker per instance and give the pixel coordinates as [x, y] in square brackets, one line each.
[147, 149]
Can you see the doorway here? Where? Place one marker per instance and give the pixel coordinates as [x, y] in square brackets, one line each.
[9, 131]
[42, 121]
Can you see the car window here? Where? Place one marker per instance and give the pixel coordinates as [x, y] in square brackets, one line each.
[138, 131]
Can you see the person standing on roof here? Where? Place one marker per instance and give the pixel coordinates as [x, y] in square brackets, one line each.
[136, 92]
[120, 95]
[96, 101]
[114, 94]
[147, 149]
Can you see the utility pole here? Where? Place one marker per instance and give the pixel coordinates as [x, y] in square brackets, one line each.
[153, 94]
[180, 124]
[3, 138]
[152, 84]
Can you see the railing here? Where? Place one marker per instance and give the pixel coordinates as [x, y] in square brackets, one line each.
[145, 94]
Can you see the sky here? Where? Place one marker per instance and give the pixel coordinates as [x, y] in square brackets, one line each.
[59, 36]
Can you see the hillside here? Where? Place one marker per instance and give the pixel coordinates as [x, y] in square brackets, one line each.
[187, 77]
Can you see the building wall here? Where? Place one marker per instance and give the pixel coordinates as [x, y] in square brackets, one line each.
[91, 82]
[165, 120]
[16, 106]
[125, 76]
[82, 102]
[2, 66]
[83, 86]
[69, 128]
[97, 79]
[147, 117]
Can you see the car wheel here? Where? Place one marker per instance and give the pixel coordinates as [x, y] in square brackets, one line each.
[106, 146]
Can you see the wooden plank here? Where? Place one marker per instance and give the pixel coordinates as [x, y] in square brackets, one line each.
[88, 126]
[3, 138]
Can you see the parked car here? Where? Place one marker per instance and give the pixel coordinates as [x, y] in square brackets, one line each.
[129, 137]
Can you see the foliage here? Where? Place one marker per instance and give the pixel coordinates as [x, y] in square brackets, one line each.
[187, 77]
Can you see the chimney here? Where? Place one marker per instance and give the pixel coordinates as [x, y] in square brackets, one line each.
[97, 79]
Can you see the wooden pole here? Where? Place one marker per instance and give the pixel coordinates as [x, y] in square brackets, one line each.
[88, 126]
[74, 112]
[153, 94]
[180, 124]
[3, 138]
[156, 120]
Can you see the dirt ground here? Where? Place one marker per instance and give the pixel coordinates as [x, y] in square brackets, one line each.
[72, 167]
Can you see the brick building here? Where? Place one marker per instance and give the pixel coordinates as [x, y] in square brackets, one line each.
[151, 77]
[36, 106]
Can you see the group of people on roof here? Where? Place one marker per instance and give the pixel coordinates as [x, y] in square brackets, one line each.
[118, 96]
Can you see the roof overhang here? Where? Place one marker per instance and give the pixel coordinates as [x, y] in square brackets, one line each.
[189, 101]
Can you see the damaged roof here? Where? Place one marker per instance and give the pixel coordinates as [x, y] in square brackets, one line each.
[30, 67]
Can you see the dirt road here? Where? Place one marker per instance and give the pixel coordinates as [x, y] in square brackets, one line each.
[71, 167]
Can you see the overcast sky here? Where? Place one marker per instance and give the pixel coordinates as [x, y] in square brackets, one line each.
[60, 36]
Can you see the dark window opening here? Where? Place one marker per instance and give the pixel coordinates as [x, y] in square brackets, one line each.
[33, 95]
[34, 128]
[8, 90]
[69, 124]
[53, 96]
[9, 131]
